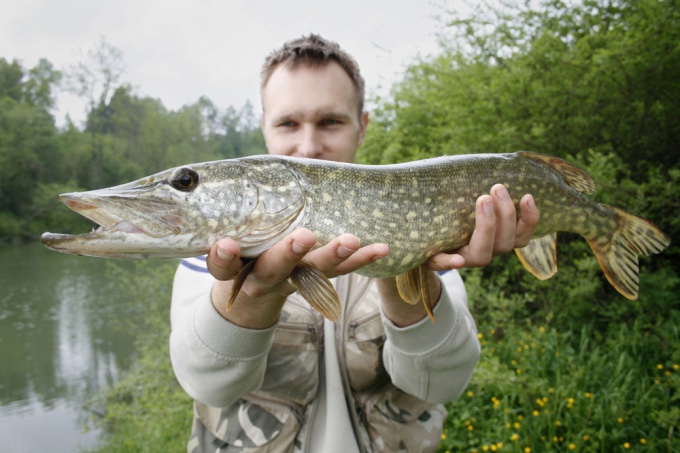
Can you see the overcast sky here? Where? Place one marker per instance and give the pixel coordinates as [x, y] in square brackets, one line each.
[178, 50]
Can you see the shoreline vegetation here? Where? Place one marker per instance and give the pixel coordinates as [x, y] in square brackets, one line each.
[567, 364]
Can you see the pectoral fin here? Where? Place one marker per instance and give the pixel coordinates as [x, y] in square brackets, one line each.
[316, 289]
[540, 256]
[238, 282]
[413, 286]
[309, 281]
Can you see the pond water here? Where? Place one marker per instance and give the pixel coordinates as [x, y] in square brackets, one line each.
[65, 334]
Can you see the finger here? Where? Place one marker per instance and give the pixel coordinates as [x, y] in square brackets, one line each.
[223, 261]
[528, 221]
[506, 220]
[275, 265]
[362, 257]
[335, 252]
[446, 261]
[479, 250]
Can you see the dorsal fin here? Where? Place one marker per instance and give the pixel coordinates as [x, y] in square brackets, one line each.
[573, 176]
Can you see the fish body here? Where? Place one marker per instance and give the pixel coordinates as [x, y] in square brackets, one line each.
[417, 208]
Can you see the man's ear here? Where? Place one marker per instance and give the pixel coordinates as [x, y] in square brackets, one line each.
[363, 124]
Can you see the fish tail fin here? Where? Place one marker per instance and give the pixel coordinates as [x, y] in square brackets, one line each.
[316, 289]
[413, 286]
[540, 256]
[617, 252]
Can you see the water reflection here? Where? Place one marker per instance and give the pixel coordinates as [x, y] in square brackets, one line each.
[62, 338]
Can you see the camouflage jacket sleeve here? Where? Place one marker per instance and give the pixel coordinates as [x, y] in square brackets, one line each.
[215, 361]
[435, 362]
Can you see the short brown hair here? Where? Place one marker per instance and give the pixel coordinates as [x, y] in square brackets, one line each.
[314, 50]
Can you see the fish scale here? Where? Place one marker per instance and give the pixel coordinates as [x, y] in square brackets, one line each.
[417, 208]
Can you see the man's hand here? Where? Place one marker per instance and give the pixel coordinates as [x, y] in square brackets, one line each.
[261, 298]
[497, 231]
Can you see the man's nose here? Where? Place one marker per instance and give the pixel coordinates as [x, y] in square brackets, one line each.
[310, 144]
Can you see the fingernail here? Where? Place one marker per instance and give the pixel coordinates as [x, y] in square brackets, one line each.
[502, 193]
[344, 252]
[224, 255]
[488, 207]
[531, 204]
[299, 247]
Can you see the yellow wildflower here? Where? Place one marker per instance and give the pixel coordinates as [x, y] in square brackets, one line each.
[572, 447]
[620, 420]
[643, 441]
[626, 445]
[536, 413]
[514, 437]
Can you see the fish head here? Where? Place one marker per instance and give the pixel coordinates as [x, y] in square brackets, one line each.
[181, 212]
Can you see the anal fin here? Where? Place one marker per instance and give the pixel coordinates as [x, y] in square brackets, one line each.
[316, 289]
[540, 256]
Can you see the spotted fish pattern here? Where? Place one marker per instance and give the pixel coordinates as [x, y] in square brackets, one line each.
[417, 208]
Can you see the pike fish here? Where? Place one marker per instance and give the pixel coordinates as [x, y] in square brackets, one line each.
[418, 209]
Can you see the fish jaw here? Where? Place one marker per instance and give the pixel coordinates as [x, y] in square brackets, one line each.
[131, 225]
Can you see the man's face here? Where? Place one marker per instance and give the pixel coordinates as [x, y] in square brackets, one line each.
[312, 112]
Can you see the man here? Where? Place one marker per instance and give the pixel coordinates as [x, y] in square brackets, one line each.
[271, 374]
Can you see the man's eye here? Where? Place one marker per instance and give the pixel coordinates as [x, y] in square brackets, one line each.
[287, 124]
[330, 122]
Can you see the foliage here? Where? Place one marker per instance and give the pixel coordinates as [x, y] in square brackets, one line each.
[147, 411]
[568, 364]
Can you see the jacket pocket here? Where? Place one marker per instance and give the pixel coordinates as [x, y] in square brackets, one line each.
[292, 364]
[243, 427]
[363, 352]
[400, 422]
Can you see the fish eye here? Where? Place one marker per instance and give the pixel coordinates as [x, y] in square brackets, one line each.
[185, 179]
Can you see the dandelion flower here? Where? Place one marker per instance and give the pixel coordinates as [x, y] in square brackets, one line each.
[643, 441]
[572, 446]
[626, 445]
[514, 437]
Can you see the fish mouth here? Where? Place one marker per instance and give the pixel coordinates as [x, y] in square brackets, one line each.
[120, 215]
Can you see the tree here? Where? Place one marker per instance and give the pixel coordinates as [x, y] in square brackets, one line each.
[94, 80]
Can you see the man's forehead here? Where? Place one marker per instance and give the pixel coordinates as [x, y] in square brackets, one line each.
[332, 82]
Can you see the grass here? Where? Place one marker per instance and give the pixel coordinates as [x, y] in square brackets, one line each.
[540, 385]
